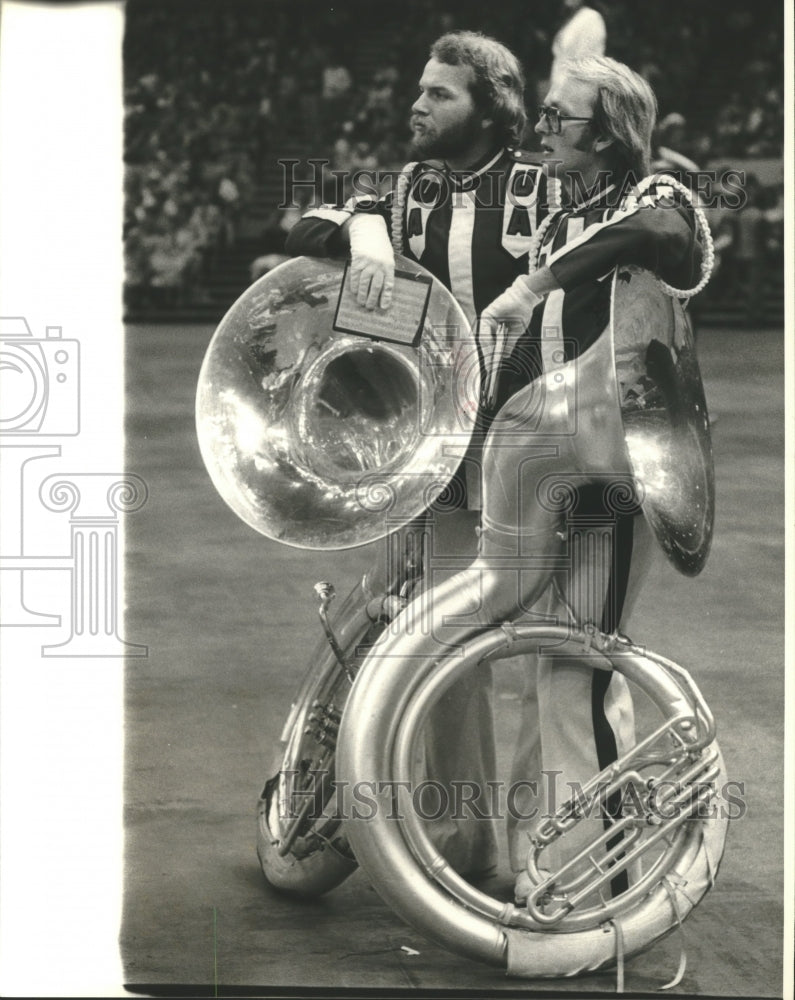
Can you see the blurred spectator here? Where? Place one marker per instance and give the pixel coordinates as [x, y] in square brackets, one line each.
[669, 142]
[746, 275]
[274, 234]
[774, 222]
[265, 263]
[336, 83]
[210, 110]
[720, 216]
[229, 196]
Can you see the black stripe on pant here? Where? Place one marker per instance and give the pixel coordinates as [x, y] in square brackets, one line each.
[606, 748]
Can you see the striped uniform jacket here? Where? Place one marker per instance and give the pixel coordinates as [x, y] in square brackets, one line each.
[582, 246]
[471, 230]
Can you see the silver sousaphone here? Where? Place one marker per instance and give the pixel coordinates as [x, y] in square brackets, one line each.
[630, 408]
[321, 438]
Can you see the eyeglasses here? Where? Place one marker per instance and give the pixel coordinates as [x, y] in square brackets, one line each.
[554, 118]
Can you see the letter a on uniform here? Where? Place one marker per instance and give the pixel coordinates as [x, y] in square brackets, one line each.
[519, 223]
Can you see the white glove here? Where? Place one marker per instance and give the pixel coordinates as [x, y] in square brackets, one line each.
[372, 261]
[514, 308]
[501, 324]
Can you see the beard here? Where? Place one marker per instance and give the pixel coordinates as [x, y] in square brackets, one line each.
[451, 142]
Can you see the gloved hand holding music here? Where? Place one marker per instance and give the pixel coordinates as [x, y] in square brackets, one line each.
[372, 261]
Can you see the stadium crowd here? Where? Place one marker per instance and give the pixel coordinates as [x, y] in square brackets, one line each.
[214, 100]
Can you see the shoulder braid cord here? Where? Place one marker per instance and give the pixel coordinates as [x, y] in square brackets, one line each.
[631, 201]
[707, 261]
[399, 204]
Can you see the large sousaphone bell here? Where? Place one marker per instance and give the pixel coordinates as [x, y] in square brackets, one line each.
[664, 417]
[321, 438]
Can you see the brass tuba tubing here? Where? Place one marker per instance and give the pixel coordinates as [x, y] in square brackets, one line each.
[388, 848]
[531, 458]
[485, 593]
[427, 691]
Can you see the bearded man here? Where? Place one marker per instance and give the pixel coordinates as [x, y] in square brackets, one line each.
[467, 210]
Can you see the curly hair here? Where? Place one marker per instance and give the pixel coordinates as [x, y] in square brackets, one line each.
[625, 109]
[498, 87]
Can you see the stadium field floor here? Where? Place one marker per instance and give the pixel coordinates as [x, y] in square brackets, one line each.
[230, 619]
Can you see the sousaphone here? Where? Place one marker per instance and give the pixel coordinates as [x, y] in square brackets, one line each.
[629, 414]
[323, 438]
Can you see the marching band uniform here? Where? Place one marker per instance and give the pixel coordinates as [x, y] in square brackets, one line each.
[582, 246]
[472, 230]
[565, 702]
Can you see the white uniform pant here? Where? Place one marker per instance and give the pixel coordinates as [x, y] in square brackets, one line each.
[576, 720]
[459, 742]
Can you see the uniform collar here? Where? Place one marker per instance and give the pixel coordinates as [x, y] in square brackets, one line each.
[595, 198]
[467, 180]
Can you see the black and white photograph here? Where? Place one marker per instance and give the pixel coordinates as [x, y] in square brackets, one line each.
[396, 497]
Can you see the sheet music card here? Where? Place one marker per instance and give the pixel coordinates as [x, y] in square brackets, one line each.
[402, 323]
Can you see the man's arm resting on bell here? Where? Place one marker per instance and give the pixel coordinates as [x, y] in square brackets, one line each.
[661, 239]
[330, 232]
